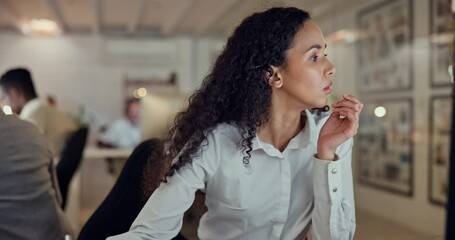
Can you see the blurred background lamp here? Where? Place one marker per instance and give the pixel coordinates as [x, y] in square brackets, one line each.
[140, 92]
[380, 111]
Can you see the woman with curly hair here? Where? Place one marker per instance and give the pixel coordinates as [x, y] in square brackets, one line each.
[271, 167]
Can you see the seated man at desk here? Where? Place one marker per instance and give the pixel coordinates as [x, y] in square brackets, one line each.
[18, 91]
[123, 133]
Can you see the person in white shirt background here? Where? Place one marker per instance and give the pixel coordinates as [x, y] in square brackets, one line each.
[18, 91]
[271, 167]
[124, 132]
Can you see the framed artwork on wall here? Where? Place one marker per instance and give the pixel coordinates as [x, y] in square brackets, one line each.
[442, 28]
[440, 124]
[384, 145]
[384, 50]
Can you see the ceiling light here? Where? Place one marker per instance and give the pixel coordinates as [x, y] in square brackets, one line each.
[42, 27]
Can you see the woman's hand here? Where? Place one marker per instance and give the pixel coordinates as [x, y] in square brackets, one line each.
[341, 125]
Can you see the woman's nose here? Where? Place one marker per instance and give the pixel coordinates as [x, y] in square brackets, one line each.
[330, 69]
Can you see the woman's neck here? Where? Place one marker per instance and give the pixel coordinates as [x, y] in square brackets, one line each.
[281, 128]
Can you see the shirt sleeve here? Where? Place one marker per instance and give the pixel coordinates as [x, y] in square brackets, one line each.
[110, 135]
[162, 216]
[334, 210]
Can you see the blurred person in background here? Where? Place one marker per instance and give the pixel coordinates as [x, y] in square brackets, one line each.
[29, 194]
[124, 132]
[51, 100]
[18, 91]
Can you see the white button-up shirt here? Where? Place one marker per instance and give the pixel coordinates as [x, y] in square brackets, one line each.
[122, 134]
[279, 196]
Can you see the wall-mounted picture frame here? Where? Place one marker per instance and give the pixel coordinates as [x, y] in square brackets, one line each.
[442, 28]
[384, 145]
[440, 129]
[384, 49]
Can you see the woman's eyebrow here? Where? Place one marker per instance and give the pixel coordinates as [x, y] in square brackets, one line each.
[317, 46]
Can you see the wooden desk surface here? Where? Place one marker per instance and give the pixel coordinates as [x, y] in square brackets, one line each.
[95, 152]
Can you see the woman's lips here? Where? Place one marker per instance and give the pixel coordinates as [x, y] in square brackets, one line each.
[328, 89]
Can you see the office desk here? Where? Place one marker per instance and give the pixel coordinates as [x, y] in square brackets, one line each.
[102, 153]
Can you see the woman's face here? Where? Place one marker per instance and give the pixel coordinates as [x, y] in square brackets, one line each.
[306, 74]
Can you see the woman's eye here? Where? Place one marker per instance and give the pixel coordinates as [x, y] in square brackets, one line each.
[314, 58]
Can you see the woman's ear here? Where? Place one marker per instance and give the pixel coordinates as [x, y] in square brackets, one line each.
[274, 77]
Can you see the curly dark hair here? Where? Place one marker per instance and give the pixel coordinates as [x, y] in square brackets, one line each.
[236, 91]
[153, 170]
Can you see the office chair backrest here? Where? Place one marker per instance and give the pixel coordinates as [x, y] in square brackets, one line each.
[126, 199]
[70, 160]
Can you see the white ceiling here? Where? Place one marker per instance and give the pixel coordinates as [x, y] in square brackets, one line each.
[143, 17]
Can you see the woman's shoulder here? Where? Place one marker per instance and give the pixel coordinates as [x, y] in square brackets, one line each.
[226, 131]
[226, 134]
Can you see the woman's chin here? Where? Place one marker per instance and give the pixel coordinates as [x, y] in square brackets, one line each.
[322, 104]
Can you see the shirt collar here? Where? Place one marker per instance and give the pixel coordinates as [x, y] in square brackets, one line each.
[30, 106]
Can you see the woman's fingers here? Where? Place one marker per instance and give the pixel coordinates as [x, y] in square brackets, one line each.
[358, 105]
[353, 123]
[344, 111]
[352, 99]
[349, 101]
[348, 108]
[346, 103]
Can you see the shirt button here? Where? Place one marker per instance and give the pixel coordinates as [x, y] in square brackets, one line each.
[334, 170]
[335, 189]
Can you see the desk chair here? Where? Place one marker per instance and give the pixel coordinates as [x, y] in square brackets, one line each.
[70, 160]
[126, 199]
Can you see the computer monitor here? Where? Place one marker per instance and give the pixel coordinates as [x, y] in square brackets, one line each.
[158, 112]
